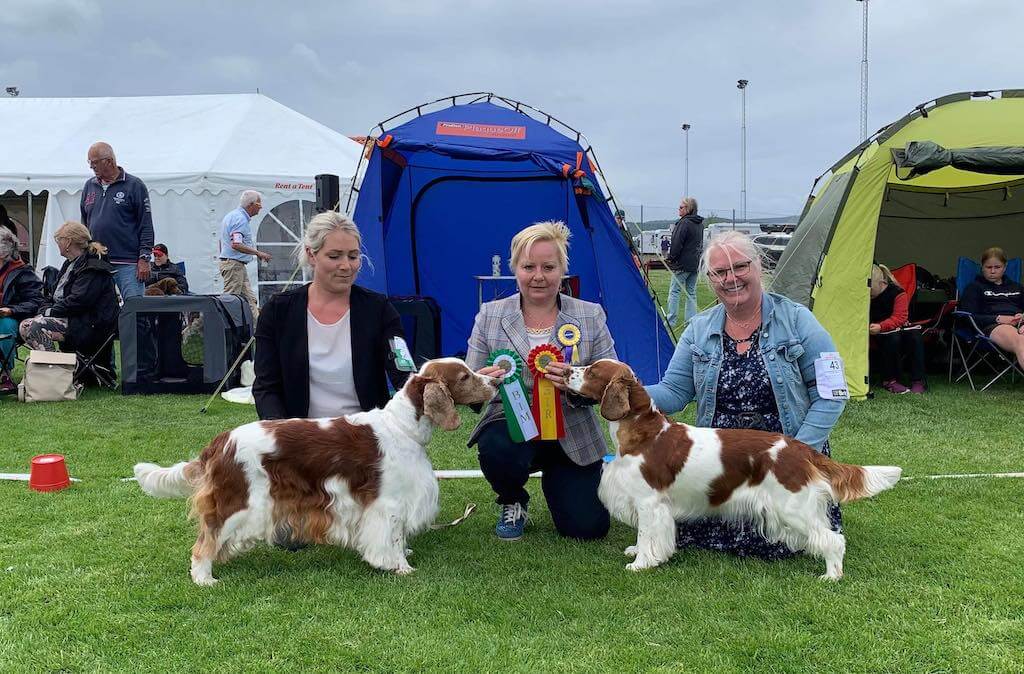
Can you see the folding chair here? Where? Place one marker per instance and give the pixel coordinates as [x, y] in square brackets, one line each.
[973, 347]
[96, 365]
[906, 276]
[4, 368]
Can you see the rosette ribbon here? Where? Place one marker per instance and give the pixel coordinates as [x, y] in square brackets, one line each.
[569, 336]
[547, 405]
[518, 415]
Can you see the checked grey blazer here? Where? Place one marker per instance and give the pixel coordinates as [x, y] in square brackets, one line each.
[500, 325]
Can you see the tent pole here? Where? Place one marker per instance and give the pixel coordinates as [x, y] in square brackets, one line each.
[31, 232]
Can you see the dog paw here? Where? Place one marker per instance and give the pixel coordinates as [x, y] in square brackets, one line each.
[207, 581]
[831, 577]
[640, 565]
[404, 569]
[631, 551]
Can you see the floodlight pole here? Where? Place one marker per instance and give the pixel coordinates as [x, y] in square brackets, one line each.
[864, 77]
[686, 161]
[742, 86]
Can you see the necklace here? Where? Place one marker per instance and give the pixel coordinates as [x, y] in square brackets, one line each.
[540, 331]
[751, 322]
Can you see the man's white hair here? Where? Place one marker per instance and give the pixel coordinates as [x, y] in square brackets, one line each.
[249, 197]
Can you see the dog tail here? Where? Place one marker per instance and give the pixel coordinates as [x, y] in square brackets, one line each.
[850, 483]
[177, 481]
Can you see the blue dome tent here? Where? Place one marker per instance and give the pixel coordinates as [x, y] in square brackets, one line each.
[444, 191]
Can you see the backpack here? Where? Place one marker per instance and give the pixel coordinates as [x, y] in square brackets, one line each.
[49, 376]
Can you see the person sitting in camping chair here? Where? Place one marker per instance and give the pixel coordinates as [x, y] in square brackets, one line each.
[21, 295]
[163, 268]
[888, 314]
[82, 313]
[997, 304]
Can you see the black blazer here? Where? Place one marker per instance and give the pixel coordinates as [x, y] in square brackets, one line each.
[281, 388]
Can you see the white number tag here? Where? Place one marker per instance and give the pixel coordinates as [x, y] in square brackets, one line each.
[828, 369]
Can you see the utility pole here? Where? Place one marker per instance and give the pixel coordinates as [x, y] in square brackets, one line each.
[742, 86]
[864, 77]
[686, 162]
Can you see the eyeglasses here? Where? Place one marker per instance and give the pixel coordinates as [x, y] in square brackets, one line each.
[93, 163]
[739, 270]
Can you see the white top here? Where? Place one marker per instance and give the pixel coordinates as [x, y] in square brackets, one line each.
[332, 388]
[537, 340]
[540, 337]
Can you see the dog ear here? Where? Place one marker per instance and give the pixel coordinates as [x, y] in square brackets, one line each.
[615, 401]
[439, 406]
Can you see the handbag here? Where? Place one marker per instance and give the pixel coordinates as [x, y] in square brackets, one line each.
[49, 377]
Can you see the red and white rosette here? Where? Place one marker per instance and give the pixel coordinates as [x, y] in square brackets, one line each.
[547, 403]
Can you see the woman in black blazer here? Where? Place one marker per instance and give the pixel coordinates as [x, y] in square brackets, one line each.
[323, 349]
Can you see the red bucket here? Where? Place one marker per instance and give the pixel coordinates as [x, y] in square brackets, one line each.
[49, 473]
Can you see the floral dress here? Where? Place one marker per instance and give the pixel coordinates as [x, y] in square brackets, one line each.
[744, 400]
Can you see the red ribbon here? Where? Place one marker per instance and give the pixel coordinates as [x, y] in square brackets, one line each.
[547, 403]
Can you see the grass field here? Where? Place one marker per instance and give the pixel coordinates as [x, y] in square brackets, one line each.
[96, 577]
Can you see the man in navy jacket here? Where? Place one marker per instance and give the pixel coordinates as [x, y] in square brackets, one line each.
[115, 208]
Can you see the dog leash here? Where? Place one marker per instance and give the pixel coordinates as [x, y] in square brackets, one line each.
[470, 508]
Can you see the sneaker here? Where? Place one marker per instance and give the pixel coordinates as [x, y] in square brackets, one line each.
[511, 522]
[894, 386]
[918, 387]
[7, 384]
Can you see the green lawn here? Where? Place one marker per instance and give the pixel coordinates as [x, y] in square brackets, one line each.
[96, 577]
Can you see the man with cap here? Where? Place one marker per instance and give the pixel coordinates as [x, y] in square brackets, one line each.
[163, 268]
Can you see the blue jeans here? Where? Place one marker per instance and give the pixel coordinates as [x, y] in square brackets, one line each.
[682, 280]
[128, 283]
[8, 326]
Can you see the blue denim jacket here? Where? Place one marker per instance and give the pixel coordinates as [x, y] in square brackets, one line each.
[791, 340]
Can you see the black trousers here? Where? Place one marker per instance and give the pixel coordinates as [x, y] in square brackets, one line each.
[896, 344]
[570, 489]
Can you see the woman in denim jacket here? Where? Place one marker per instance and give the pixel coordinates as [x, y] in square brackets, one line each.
[749, 362]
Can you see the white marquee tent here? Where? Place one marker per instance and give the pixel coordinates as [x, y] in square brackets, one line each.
[195, 154]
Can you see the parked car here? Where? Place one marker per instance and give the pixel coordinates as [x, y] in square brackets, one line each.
[771, 247]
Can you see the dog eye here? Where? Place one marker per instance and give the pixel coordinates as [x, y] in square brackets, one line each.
[464, 377]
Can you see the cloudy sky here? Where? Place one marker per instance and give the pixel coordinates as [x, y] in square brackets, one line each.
[625, 73]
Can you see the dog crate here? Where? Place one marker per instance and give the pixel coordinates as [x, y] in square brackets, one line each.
[181, 343]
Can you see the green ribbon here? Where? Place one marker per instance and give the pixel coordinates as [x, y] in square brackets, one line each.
[518, 415]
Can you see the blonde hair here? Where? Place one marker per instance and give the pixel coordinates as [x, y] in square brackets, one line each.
[691, 205]
[317, 230]
[994, 251]
[881, 274]
[78, 234]
[554, 231]
[735, 241]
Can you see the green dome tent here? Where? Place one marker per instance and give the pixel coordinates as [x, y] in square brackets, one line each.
[945, 180]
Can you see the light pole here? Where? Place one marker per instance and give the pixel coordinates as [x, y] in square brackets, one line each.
[686, 161]
[742, 86]
[864, 77]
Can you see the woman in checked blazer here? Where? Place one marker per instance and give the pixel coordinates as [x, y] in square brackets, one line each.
[527, 319]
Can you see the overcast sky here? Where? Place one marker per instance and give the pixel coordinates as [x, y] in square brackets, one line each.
[626, 74]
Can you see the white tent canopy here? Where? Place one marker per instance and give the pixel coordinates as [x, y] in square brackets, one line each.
[195, 154]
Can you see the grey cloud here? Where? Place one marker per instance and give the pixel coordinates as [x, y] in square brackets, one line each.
[626, 74]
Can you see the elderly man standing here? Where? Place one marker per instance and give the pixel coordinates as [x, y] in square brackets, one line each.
[237, 248]
[115, 208]
[683, 259]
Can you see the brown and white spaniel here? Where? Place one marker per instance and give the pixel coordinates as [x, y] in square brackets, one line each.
[362, 481]
[666, 471]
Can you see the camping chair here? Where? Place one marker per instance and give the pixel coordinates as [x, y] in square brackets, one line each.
[969, 343]
[96, 365]
[906, 276]
[4, 369]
